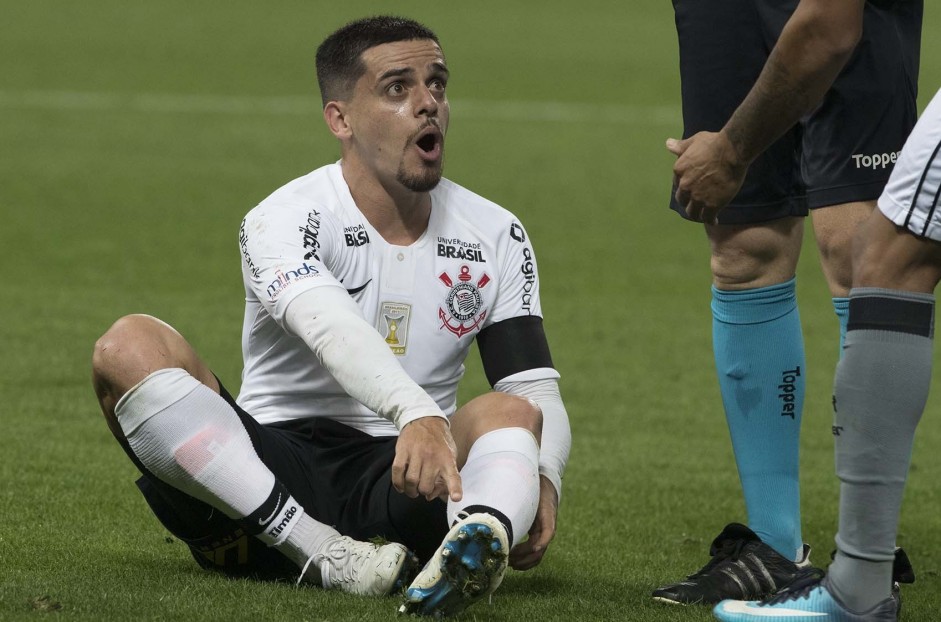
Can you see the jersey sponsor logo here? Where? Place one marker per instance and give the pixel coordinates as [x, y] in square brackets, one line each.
[355, 235]
[311, 230]
[394, 328]
[463, 310]
[454, 248]
[528, 270]
[517, 233]
[243, 244]
[286, 277]
[875, 160]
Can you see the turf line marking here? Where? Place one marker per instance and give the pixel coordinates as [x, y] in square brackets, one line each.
[168, 103]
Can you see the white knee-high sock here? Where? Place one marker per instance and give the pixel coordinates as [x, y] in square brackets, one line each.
[188, 436]
[502, 473]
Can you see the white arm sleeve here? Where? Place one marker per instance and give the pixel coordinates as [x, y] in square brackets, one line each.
[556, 432]
[333, 327]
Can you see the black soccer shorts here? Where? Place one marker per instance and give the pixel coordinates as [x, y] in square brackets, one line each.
[341, 477]
[844, 150]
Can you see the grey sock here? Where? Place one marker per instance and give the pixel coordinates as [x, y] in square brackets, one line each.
[880, 392]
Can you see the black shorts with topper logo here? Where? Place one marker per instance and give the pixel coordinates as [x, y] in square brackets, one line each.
[339, 475]
[844, 151]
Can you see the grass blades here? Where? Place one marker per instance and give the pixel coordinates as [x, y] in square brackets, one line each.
[134, 136]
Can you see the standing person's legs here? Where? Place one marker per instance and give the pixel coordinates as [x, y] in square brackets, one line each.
[880, 391]
[757, 338]
[759, 353]
[883, 379]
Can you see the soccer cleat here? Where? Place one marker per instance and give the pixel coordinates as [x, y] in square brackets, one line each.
[467, 567]
[742, 568]
[364, 568]
[806, 599]
[902, 572]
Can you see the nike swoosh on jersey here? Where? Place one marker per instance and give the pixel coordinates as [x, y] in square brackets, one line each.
[738, 606]
[357, 290]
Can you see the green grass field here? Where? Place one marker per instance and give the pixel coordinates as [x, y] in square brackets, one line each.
[134, 136]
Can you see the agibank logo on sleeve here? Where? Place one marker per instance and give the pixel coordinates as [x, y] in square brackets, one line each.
[286, 277]
[310, 231]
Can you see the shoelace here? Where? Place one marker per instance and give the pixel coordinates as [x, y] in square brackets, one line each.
[729, 550]
[803, 584]
[340, 557]
[304, 569]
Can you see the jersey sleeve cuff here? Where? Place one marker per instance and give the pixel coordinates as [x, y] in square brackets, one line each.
[554, 478]
[405, 419]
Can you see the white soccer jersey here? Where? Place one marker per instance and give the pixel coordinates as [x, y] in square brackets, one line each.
[911, 197]
[472, 267]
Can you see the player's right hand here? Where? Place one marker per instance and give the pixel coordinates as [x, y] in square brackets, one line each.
[426, 461]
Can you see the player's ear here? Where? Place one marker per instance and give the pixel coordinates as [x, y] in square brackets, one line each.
[334, 113]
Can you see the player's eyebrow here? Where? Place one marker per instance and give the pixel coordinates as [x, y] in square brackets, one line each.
[395, 72]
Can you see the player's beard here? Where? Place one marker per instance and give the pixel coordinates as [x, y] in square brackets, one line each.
[424, 180]
[429, 174]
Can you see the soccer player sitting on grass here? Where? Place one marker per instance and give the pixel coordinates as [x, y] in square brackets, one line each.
[366, 282]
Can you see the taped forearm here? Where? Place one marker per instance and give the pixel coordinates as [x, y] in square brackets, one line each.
[333, 327]
[556, 432]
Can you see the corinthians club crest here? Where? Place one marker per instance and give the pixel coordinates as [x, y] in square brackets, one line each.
[462, 312]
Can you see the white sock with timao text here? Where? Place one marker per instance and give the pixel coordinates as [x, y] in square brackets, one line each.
[188, 436]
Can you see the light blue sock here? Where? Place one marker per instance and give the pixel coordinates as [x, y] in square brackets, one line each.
[842, 308]
[759, 352]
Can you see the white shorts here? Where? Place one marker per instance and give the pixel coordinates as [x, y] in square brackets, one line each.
[911, 196]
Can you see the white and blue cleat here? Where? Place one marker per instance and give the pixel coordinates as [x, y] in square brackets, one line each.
[467, 567]
[806, 600]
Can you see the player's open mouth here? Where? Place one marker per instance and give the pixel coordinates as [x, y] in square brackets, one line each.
[430, 143]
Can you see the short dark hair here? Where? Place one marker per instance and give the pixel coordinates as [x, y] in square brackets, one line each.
[339, 57]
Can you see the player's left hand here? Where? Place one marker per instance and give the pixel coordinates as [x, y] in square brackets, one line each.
[529, 553]
[708, 174]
